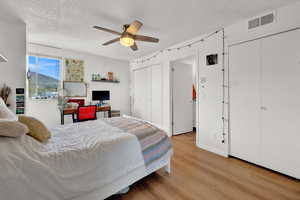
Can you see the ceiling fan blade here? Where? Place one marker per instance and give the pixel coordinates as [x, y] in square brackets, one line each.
[134, 27]
[111, 41]
[107, 30]
[134, 47]
[145, 38]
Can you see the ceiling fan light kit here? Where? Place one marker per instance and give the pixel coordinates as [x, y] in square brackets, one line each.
[127, 40]
[129, 35]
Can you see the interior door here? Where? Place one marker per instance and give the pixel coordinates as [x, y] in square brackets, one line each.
[142, 94]
[156, 95]
[182, 98]
[281, 103]
[245, 83]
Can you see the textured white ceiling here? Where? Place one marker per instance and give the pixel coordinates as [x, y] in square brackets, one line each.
[68, 23]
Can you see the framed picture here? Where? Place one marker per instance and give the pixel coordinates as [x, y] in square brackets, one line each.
[212, 59]
[20, 91]
[20, 111]
[20, 98]
[20, 104]
[74, 70]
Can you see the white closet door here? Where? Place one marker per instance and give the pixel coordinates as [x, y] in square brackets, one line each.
[281, 103]
[244, 62]
[142, 94]
[156, 95]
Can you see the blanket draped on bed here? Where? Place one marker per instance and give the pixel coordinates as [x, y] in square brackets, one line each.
[154, 142]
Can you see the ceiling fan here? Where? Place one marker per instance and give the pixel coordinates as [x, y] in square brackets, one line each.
[129, 35]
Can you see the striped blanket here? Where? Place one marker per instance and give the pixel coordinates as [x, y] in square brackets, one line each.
[154, 142]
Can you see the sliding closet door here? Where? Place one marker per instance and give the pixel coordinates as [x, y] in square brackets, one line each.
[156, 95]
[281, 103]
[142, 94]
[244, 62]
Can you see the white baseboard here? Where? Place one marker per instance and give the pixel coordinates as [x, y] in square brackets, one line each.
[213, 150]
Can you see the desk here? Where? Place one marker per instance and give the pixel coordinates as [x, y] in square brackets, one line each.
[73, 111]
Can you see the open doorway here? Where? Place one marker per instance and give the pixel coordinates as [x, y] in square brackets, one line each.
[183, 95]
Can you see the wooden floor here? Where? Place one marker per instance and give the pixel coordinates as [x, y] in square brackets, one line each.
[200, 175]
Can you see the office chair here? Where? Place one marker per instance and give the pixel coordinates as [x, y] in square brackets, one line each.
[85, 113]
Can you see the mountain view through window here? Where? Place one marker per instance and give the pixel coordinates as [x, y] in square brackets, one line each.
[44, 77]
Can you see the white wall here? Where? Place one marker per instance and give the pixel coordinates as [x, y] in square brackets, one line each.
[13, 47]
[47, 111]
[211, 97]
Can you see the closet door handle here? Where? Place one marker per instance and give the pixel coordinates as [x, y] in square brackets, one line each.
[263, 108]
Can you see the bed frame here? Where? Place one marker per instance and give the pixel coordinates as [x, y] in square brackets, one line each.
[167, 169]
[165, 166]
[121, 185]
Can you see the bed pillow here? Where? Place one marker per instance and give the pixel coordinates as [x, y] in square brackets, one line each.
[37, 129]
[6, 114]
[12, 128]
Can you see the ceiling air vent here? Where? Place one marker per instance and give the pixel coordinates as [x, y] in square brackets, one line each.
[260, 21]
[254, 23]
[267, 19]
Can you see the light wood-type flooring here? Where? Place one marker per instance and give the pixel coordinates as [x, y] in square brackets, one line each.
[201, 175]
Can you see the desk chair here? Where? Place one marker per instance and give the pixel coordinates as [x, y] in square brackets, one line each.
[85, 113]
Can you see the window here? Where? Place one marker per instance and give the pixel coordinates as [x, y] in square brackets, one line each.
[44, 77]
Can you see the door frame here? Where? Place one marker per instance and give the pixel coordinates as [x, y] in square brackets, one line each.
[195, 55]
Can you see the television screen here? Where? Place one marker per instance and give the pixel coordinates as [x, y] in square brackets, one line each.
[100, 95]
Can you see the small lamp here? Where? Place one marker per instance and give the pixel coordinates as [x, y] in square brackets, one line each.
[3, 59]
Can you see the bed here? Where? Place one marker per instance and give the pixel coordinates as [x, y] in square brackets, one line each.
[87, 161]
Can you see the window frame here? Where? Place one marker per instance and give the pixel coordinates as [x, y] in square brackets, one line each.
[37, 55]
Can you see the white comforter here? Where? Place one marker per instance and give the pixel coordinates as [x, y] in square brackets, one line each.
[78, 159]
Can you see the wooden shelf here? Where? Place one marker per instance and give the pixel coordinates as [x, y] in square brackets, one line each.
[106, 81]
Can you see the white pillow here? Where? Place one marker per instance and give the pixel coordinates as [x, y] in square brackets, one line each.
[12, 128]
[6, 114]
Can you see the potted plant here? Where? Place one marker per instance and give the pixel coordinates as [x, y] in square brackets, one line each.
[5, 91]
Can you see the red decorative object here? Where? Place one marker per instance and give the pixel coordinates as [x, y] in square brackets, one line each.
[80, 102]
[194, 93]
